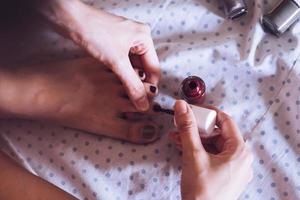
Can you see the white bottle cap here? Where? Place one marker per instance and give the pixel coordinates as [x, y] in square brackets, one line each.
[206, 119]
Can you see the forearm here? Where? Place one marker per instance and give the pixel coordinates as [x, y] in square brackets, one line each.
[63, 14]
[17, 183]
[70, 17]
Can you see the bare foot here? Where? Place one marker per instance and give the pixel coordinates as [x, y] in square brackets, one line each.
[80, 94]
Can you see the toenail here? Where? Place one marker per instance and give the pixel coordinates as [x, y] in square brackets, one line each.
[148, 132]
[153, 89]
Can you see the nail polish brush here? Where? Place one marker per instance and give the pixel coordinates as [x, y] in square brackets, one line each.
[158, 108]
[206, 118]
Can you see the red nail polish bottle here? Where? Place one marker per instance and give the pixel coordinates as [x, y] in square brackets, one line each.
[192, 89]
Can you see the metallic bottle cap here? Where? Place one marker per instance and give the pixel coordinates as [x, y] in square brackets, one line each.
[282, 17]
[235, 8]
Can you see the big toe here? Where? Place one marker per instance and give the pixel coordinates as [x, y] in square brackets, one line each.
[143, 132]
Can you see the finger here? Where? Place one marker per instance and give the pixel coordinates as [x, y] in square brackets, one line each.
[216, 132]
[127, 106]
[135, 60]
[188, 131]
[179, 147]
[175, 137]
[132, 83]
[219, 143]
[150, 63]
[228, 127]
[140, 73]
[171, 136]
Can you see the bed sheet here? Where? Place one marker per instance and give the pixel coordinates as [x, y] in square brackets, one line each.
[253, 76]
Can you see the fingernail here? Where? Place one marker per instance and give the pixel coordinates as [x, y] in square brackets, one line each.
[153, 89]
[142, 74]
[143, 104]
[181, 108]
[174, 121]
[148, 132]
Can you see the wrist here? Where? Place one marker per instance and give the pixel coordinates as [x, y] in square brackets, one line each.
[65, 15]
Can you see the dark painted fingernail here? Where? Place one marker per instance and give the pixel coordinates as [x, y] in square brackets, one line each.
[153, 89]
[141, 74]
[148, 132]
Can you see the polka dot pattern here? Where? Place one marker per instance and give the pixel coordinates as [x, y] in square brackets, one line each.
[253, 76]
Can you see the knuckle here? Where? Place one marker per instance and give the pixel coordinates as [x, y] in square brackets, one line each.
[195, 152]
[225, 118]
[146, 28]
[186, 124]
[136, 92]
[242, 152]
[86, 45]
[143, 28]
[238, 151]
[117, 63]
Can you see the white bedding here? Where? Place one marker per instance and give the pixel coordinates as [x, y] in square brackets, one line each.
[253, 76]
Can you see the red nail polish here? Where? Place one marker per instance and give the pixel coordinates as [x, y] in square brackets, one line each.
[192, 90]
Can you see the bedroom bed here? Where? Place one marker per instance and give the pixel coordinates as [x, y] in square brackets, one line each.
[252, 75]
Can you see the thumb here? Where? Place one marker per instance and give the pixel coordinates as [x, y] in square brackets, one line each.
[192, 147]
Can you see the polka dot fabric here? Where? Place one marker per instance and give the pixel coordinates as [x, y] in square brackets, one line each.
[253, 76]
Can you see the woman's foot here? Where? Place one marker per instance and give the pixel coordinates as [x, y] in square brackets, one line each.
[81, 94]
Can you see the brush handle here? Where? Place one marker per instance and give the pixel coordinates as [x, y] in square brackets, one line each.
[206, 119]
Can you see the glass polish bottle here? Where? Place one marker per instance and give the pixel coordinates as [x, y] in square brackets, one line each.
[234, 8]
[205, 118]
[192, 90]
[281, 17]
